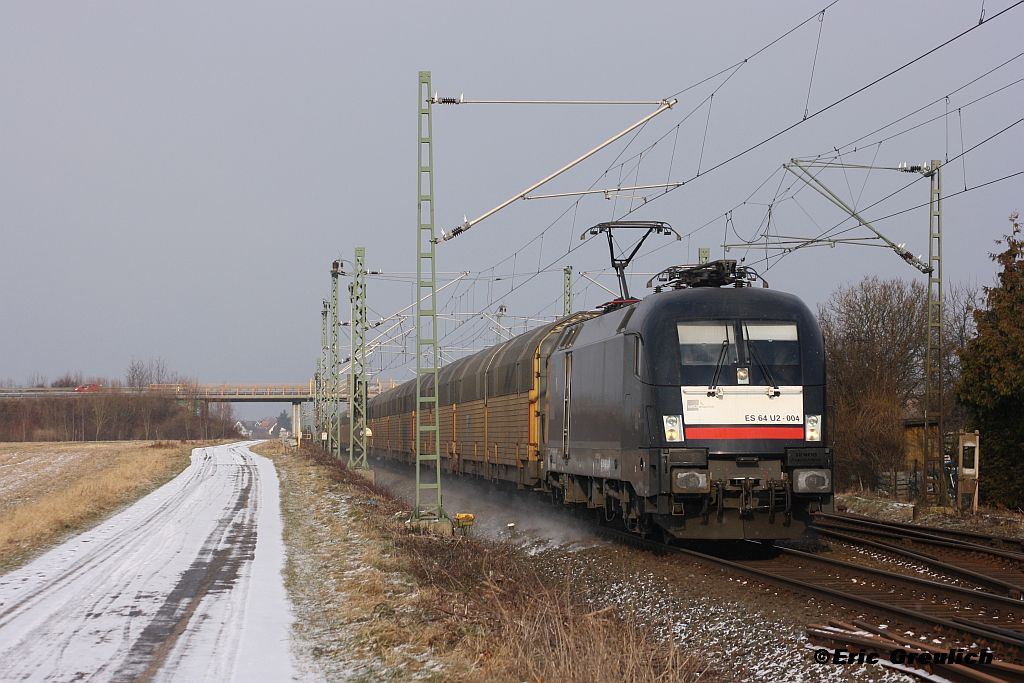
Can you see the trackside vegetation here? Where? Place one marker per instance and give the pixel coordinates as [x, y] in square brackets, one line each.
[376, 599]
[992, 376]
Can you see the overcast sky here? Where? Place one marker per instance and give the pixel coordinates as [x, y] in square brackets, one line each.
[175, 178]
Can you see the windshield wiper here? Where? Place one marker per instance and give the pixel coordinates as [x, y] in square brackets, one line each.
[764, 368]
[718, 366]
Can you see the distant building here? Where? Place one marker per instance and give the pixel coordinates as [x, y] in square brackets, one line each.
[245, 428]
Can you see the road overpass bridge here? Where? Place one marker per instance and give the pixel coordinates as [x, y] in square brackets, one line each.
[254, 393]
[239, 393]
[211, 393]
[296, 394]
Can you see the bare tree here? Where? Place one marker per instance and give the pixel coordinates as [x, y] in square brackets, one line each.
[137, 375]
[875, 340]
[68, 380]
[960, 303]
[874, 345]
[158, 372]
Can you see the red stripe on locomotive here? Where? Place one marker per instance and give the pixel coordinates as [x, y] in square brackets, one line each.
[744, 433]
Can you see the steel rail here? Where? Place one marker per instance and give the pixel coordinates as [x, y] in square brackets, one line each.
[912, 616]
[992, 599]
[975, 536]
[882, 529]
[1012, 589]
[862, 635]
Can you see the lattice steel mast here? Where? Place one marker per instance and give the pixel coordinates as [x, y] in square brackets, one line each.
[934, 457]
[334, 368]
[357, 366]
[427, 427]
[321, 374]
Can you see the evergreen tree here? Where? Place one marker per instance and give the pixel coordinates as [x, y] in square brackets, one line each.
[992, 376]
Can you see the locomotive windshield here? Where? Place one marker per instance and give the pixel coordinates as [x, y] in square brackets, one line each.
[730, 353]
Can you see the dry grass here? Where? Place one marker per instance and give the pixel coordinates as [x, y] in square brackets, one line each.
[342, 591]
[376, 597]
[523, 627]
[51, 490]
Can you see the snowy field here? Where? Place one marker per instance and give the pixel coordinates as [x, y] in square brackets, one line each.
[29, 468]
[183, 585]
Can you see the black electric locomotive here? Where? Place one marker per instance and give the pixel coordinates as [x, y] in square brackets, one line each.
[697, 412]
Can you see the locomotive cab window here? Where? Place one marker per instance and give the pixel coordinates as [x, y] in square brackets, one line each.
[773, 352]
[704, 343]
[731, 353]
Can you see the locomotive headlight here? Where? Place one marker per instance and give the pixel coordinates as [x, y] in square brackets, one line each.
[742, 375]
[812, 428]
[673, 427]
[690, 481]
[812, 481]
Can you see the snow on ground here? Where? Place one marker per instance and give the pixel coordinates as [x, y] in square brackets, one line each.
[746, 633]
[183, 585]
[23, 469]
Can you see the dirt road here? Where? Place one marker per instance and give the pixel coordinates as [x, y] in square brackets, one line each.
[183, 585]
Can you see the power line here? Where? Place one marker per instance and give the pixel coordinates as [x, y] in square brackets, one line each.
[759, 50]
[733, 67]
[828, 234]
[823, 238]
[951, 195]
[877, 144]
[934, 102]
[944, 115]
[575, 205]
[833, 104]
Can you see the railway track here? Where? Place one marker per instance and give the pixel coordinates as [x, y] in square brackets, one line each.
[959, 617]
[989, 540]
[994, 569]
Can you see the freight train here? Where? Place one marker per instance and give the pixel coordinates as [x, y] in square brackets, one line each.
[695, 413]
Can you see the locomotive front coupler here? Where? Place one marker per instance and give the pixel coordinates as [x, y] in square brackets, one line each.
[746, 502]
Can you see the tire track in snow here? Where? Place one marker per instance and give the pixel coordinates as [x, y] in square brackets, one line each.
[185, 585]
